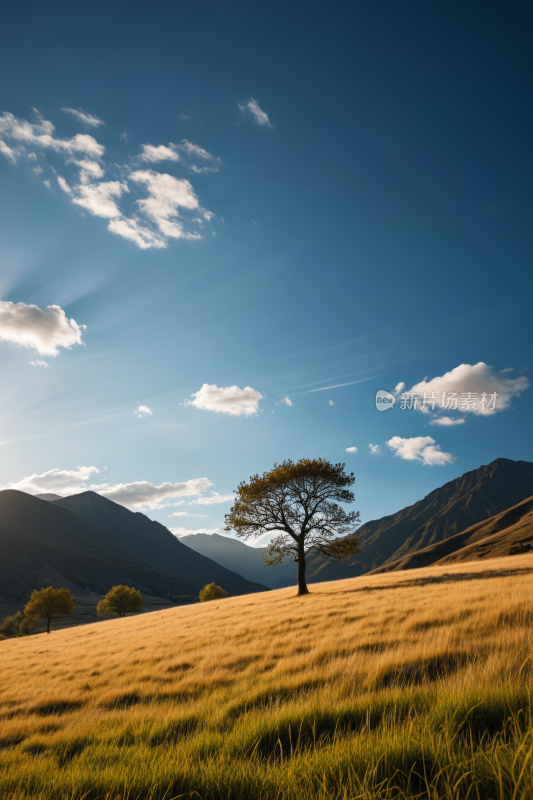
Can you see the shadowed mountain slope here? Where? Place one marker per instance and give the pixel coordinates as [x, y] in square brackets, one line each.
[150, 541]
[236, 555]
[42, 544]
[508, 533]
[472, 498]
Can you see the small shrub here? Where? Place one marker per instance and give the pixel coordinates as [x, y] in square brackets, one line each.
[212, 592]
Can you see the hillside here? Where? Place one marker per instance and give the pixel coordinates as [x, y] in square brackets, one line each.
[508, 533]
[273, 697]
[234, 554]
[152, 542]
[42, 543]
[445, 512]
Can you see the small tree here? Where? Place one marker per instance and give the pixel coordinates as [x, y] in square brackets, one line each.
[212, 592]
[300, 503]
[119, 600]
[49, 602]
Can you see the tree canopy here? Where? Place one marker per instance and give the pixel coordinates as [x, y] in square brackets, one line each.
[49, 602]
[120, 600]
[212, 592]
[298, 501]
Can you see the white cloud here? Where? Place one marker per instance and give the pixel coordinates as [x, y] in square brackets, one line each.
[64, 185]
[214, 499]
[139, 494]
[89, 170]
[82, 116]
[137, 233]
[285, 401]
[399, 388]
[420, 448]
[353, 449]
[38, 363]
[8, 152]
[186, 514]
[476, 379]
[167, 195]
[259, 116]
[446, 421]
[331, 403]
[188, 531]
[56, 481]
[44, 330]
[229, 400]
[170, 211]
[98, 198]
[375, 449]
[41, 134]
[160, 153]
[143, 411]
[144, 494]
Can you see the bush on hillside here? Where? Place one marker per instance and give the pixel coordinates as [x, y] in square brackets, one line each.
[212, 592]
[120, 600]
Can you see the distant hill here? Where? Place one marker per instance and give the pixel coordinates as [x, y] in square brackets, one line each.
[503, 534]
[234, 554]
[50, 497]
[42, 544]
[151, 542]
[472, 498]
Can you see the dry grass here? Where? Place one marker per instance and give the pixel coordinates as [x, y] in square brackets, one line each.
[413, 684]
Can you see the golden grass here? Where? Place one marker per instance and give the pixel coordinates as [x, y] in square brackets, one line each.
[413, 684]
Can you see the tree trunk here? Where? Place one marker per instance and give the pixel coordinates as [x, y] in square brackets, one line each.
[48, 620]
[302, 585]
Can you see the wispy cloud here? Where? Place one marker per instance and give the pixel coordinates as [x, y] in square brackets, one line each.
[285, 401]
[38, 363]
[251, 108]
[227, 400]
[331, 403]
[187, 514]
[42, 329]
[374, 449]
[353, 449]
[87, 119]
[213, 499]
[139, 494]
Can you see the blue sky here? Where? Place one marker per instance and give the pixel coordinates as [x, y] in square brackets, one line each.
[277, 198]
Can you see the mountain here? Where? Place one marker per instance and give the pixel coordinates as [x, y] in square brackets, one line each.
[503, 534]
[42, 544]
[48, 496]
[151, 542]
[474, 497]
[236, 555]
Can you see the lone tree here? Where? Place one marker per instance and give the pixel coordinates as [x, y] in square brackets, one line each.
[300, 502]
[49, 602]
[212, 592]
[119, 600]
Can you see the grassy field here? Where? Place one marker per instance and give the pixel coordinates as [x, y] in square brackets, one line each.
[413, 684]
